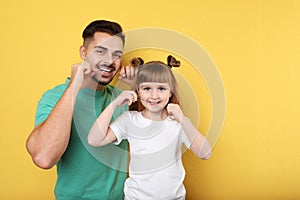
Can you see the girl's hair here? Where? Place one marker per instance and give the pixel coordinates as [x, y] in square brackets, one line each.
[159, 72]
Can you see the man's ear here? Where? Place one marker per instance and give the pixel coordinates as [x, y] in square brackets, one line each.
[82, 52]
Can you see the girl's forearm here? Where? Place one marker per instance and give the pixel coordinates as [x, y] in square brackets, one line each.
[199, 144]
[100, 127]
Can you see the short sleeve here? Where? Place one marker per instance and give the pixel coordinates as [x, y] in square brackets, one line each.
[184, 138]
[47, 103]
[119, 127]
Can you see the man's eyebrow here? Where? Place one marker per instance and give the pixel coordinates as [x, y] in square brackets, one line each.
[101, 47]
[104, 48]
[118, 51]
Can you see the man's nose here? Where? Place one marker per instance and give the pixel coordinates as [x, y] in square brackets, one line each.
[108, 59]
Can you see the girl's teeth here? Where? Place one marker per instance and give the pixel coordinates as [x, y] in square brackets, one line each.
[153, 102]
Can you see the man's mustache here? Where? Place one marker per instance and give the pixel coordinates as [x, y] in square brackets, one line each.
[111, 66]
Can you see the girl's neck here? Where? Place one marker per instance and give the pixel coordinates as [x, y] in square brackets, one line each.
[155, 116]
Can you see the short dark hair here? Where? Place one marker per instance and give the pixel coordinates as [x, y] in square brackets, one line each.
[112, 28]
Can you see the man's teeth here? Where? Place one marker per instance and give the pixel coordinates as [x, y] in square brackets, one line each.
[105, 69]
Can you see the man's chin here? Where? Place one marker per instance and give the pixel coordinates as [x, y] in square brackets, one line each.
[101, 82]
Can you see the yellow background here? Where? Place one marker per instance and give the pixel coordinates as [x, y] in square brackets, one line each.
[254, 44]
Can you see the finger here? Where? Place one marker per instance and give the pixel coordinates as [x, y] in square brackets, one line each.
[75, 69]
[135, 96]
[129, 100]
[120, 77]
[173, 107]
[122, 73]
[85, 66]
[86, 70]
[169, 110]
[127, 72]
[135, 71]
[171, 115]
[172, 104]
[131, 72]
[75, 66]
[93, 72]
[169, 107]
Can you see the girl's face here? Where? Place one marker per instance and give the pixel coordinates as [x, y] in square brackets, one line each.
[154, 96]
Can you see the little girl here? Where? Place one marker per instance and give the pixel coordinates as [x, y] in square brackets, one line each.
[155, 134]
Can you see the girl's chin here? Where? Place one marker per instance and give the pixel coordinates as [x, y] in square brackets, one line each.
[155, 110]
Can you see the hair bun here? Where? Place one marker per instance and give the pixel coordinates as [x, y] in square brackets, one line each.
[172, 62]
[137, 61]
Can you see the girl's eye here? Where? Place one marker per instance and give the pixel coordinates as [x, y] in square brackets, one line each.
[146, 88]
[161, 89]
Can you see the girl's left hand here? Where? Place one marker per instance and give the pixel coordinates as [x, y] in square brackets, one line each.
[175, 111]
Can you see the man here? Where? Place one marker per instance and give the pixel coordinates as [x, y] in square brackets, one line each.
[66, 113]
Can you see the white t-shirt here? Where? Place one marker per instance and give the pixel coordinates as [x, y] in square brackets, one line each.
[155, 167]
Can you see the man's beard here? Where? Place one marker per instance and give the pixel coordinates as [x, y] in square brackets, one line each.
[101, 82]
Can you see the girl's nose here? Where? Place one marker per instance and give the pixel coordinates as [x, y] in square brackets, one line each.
[154, 94]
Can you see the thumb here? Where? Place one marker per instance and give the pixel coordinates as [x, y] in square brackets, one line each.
[169, 110]
[122, 72]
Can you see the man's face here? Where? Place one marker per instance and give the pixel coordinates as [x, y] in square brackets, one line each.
[104, 54]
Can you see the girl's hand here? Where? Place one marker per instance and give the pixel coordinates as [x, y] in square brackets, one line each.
[126, 97]
[175, 111]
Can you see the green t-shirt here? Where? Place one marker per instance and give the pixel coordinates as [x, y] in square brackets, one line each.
[86, 172]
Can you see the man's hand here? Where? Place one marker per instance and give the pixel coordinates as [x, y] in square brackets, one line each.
[80, 73]
[128, 75]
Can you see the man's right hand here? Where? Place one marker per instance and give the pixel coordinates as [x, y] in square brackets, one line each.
[81, 72]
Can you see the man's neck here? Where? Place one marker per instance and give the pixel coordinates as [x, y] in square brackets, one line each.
[93, 85]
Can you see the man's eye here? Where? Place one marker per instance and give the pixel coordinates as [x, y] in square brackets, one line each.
[100, 52]
[117, 56]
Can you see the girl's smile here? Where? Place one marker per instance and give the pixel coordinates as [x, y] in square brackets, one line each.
[154, 96]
